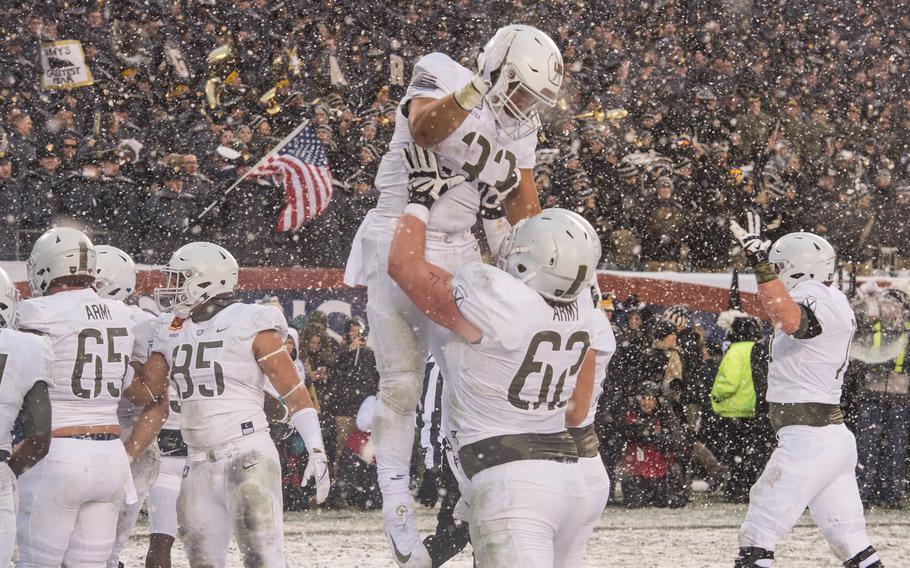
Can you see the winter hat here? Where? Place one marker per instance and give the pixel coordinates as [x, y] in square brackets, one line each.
[678, 315]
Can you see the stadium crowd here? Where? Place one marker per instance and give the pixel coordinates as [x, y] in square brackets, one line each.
[673, 118]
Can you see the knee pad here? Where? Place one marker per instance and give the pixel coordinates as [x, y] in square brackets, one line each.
[867, 558]
[753, 557]
[401, 391]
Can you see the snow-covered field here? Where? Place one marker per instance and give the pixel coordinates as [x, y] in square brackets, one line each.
[699, 536]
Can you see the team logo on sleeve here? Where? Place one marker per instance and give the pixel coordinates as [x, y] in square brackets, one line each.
[810, 303]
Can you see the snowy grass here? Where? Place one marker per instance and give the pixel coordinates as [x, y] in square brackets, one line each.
[702, 535]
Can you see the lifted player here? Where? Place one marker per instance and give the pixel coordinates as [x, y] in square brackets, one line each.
[519, 343]
[483, 126]
[219, 354]
[815, 460]
[25, 372]
[70, 501]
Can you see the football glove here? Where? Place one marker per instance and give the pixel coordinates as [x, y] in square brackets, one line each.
[492, 196]
[317, 469]
[426, 183]
[754, 247]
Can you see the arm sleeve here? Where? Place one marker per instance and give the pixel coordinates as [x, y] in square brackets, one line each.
[36, 411]
[526, 152]
[809, 325]
[496, 230]
[32, 317]
[269, 318]
[479, 294]
[432, 78]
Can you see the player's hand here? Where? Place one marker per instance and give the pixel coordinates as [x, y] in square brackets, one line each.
[492, 196]
[426, 183]
[754, 247]
[428, 493]
[317, 469]
[490, 58]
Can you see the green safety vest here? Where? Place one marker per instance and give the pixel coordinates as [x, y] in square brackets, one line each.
[733, 394]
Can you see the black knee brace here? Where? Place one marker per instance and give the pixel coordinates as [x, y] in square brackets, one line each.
[856, 561]
[748, 555]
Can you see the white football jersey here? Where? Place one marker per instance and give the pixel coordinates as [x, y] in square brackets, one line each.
[25, 359]
[606, 341]
[812, 370]
[519, 377]
[146, 327]
[92, 341]
[218, 382]
[477, 149]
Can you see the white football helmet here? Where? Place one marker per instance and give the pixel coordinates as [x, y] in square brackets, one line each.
[553, 253]
[527, 82]
[197, 272]
[115, 273]
[9, 299]
[62, 251]
[802, 256]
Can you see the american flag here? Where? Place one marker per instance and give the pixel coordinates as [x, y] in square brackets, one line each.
[307, 178]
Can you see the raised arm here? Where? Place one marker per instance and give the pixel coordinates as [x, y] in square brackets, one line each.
[427, 285]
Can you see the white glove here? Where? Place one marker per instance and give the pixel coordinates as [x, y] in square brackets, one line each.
[490, 58]
[306, 422]
[425, 183]
[317, 469]
[750, 238]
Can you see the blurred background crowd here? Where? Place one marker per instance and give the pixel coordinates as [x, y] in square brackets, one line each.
[674, 116]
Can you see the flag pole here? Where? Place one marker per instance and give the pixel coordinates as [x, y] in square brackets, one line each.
[252, 169]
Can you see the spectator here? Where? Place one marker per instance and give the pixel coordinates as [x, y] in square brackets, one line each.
[739, 432]
[654, 441]
[10, 209]
[353, 378]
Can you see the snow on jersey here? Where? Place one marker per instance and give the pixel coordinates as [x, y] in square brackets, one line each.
[477, 149]
[146, 327]
[520, 376]
[92, 340]
[812, 370]
[605, 348]
[25, 359]
[213, 369]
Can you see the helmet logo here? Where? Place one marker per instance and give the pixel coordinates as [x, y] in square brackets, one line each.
[556, 70]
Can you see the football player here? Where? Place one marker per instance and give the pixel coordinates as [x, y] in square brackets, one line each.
[162, 499]
[220, 353]
[25, 372]
[69, 502]
[815, 460]
[115, 279]
[483, 126]
[580, 420]
[519, 341]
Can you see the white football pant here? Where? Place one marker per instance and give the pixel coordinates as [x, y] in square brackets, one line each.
[811, 467]
[399, 334]
[144, 470]
[162, 504]
[527, 513]
[233, 490]
[7, 514]
[69, 504]
[597, 493]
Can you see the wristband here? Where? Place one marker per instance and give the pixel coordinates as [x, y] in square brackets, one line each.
[419, 211]
[471, 95]
[306, 422]
[764, 272]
